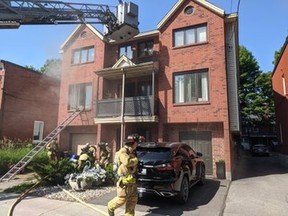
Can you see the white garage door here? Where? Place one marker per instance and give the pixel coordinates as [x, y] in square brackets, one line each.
[79, 140]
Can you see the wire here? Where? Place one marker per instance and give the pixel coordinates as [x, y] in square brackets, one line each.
[238, 6]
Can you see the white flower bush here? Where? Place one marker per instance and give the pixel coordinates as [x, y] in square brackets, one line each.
[87, 179]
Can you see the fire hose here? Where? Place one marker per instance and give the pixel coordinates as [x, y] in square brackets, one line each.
[23, 195]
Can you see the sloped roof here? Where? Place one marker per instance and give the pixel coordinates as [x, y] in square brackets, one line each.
[123, 61]
[78, 28]
[179, 3]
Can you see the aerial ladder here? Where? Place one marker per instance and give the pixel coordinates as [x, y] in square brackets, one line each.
[120, 25]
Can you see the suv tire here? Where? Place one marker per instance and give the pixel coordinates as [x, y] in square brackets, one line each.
[183, 195]
[202, 175]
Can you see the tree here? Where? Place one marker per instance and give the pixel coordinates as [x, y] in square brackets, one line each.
[277, 56]
[249, 71]
[52, 67]
[31, 67]
[256, 95]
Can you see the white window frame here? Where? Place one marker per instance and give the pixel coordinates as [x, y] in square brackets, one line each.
[145, 48]
[80, 95]
[38, 131]
[190, 35]
[185, 90]
[126, 50]
[83, 55]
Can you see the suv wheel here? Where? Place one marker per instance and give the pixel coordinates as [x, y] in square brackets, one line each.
[182, 197]
[202, 175]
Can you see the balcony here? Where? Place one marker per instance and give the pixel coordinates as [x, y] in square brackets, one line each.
[136, 109]
[127, 93]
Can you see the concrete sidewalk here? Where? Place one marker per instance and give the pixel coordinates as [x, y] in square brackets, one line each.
[34, 206]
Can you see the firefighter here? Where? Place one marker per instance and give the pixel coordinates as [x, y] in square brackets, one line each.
[105, 154]
[52, 150]
[126, 183]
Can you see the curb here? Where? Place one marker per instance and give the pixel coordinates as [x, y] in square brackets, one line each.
[223, 206]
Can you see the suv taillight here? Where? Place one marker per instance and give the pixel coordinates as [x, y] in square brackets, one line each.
[168, 166]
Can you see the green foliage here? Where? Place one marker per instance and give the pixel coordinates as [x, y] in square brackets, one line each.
[255, 93]
[110, 177]
[31, 67]
[7, 143]
[277, 56]
[53, 172]
[19, 188]
[10, 157]
[52, 67]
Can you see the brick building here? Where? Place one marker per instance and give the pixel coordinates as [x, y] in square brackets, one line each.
[176, 83]
[280, 89]
[28, 103]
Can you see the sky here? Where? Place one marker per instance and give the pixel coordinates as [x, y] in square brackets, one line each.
[263, 28]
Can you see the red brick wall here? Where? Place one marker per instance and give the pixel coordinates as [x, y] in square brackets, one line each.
[84, 73]
[28, 96]
[281, 100]
[211, 56]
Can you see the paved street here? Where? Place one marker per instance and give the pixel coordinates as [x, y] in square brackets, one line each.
[260, 188]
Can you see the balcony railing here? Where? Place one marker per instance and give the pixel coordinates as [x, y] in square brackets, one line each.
[134, 106]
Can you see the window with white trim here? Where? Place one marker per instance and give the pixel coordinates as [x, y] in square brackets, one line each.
[38, 131]
[191, 86]
[126, 51]
[145, 48]
[191, 35]
[83, 55]
[80, 95]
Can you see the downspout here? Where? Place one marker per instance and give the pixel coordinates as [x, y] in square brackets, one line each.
[2, 102]
[153, 93]
[122, 107]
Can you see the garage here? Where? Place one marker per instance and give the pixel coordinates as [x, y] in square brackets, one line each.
[79, 140]
[200, 141]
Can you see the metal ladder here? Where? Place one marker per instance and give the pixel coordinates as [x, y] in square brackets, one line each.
[39, 147]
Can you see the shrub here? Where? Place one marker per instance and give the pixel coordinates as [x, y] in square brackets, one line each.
[11, 156]
[53, 172]
[110, 176]
[8, 143]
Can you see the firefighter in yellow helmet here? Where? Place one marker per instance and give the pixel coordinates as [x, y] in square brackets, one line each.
[126, 184]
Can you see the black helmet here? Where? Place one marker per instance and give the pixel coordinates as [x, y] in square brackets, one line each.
[134, 137]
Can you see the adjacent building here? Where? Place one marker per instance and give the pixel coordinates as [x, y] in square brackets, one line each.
[28, 103]
[178, 82]
[280, 89]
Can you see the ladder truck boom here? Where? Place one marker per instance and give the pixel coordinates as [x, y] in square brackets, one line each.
[121, 25]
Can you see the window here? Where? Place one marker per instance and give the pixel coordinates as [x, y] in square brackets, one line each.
[191, 87]
[144, 88]
[284, 85]
[38, 131]
[83, 55]
[126, 50]
[80, 95]
[145, 48]
[192, 35]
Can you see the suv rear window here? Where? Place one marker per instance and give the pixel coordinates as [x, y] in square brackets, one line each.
[153, 153]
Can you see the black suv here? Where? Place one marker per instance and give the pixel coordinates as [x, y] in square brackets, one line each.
[169, 169]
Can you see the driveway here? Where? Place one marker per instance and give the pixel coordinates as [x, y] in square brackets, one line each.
[205, 200]
[259, 188]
